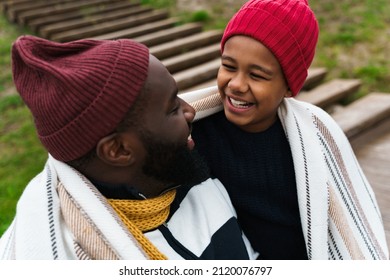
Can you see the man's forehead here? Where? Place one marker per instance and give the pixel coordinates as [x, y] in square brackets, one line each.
[159, 80]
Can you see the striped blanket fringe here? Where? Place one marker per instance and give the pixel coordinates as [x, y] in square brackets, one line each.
[339, 213]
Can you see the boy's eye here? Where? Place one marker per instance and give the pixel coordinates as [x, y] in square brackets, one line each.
[256, 76]
[228, 67]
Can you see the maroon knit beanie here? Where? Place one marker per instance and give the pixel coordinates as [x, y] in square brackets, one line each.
[79, 91]
[288, 28]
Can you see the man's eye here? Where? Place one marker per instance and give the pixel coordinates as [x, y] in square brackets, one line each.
[176, 108]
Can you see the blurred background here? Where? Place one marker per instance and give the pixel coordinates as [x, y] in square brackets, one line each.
[354, 44]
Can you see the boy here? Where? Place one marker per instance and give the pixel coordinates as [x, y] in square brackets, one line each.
[293, 178]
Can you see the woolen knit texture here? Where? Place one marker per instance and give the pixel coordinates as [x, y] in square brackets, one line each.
[79, 91]
[288, 28]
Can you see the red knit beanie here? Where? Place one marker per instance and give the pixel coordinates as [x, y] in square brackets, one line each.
[79, 91]
[288, 28]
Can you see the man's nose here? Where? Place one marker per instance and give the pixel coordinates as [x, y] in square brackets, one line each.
[188, 111]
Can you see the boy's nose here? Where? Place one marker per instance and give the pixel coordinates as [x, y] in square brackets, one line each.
[238, 83]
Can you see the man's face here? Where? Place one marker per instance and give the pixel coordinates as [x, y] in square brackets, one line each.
[165, 130]
[165, 114]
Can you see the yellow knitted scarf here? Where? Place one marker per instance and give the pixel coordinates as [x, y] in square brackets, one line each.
[143, 215]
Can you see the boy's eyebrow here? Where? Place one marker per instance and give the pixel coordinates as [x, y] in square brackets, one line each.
[263, 69]
[256, 66]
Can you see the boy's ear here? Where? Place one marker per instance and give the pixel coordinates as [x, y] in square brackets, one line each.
[288, 93]
[115, 150]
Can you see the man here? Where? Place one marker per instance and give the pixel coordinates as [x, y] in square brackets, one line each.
[121, 180]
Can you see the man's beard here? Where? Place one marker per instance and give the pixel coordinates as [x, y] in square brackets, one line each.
[172, 163]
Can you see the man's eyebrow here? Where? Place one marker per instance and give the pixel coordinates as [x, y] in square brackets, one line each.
[255, 66]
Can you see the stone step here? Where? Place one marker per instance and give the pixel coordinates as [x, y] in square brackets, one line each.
[192, 58]
[363, 113]
[5, 4]
[14, 10]
[110, 26]
[89, 21]
[198, 74]
[316, 75]
[140, 30]
[331, 92]
[77, 10]
[170, 34]
[205, 84]
[186, 44]
[25, 17]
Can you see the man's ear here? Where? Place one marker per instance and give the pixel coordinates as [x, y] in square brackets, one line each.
[114, 150]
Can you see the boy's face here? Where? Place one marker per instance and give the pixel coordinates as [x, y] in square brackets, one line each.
[251, 84]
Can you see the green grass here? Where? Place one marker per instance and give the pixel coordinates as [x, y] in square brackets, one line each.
[7, 35]
[21, 154]
[354, 43]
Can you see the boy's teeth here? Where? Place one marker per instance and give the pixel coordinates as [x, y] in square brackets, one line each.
[239, 104]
